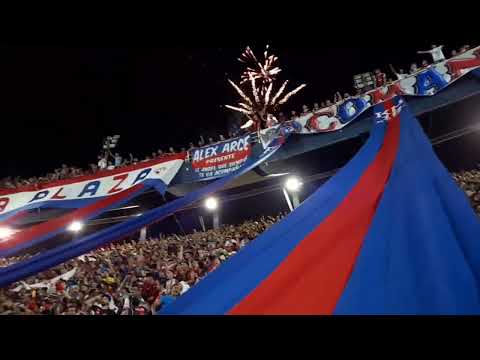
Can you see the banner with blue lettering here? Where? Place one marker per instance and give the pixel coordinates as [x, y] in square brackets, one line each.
[87, 197]
[81, 191]
[425, 82]
[218, 160]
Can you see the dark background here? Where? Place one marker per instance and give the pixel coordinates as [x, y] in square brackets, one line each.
[57, 103]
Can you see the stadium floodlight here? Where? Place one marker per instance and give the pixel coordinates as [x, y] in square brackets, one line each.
[75, 226]
[293, 184]
[211, 203]
[6, 232]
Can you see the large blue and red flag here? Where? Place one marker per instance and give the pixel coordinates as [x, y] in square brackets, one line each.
[390, 234]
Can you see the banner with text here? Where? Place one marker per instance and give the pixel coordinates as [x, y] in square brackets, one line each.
[218, 160]
[426, 82]
[77, 192]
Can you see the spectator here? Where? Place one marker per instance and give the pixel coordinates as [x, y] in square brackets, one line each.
[346, 96]
[210, 141]
[401, 73]
[337, 97]
[436, 52]
[380, 78]
[271, 121]
[316, 107]
[413, 68]
[221, 137]
[102, 163]
[305, 110]
[453, 53]
[323, 105]
[293, 115]
[171, 150]
[425, 64]
[281, 117]
[93, 168]
[464, 48]
[118, 160]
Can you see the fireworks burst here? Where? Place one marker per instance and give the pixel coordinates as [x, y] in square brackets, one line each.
[262, 77]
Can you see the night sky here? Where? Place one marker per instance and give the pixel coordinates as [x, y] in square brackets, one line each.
[58, 103]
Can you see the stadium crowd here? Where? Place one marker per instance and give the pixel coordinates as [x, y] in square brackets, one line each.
[128, 277]
[109, 161]
[469, 181]
[134, 277]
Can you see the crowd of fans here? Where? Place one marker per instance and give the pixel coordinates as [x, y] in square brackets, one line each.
[129, 277]
[469, 181]
[134, 277]
[106, 161]
[109, 161]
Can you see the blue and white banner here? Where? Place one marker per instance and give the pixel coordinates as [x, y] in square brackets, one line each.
[426, 82]
[78, 191]
[217, 160]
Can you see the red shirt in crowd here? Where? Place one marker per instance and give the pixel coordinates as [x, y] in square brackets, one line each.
[380, 79]
[150, 291]
[60, 287]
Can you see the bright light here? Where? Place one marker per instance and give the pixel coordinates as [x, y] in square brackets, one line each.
[293, 184]
[211, 204]
[6, 233]
[75, 226]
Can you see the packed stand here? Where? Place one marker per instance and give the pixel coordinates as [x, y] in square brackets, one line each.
[131, 277]
[469, 181]
[139, 277]
[107, 161]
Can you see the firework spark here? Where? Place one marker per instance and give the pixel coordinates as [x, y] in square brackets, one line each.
[279, 93]
[261, 77]
[244, 111]
[240, 92]
[290, 94]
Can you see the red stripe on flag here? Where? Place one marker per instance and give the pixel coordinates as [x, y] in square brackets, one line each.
[42, 229]
[312, 278]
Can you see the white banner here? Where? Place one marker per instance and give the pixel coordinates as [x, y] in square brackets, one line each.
[105, 184]
[425, 82]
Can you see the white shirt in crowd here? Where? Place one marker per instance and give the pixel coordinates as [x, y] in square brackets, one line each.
[437, 53]
[102, 163]
[118, 160]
